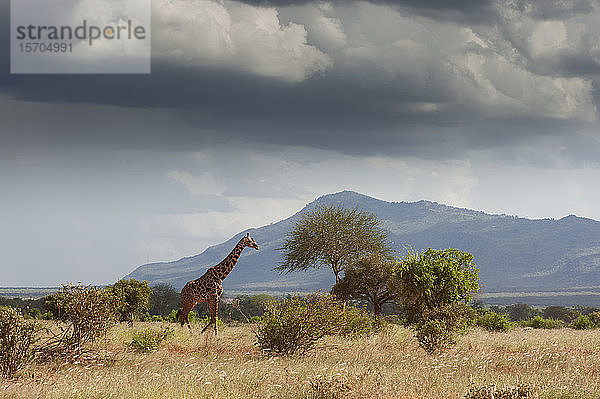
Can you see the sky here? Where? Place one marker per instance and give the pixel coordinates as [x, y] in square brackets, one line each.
[255, 108]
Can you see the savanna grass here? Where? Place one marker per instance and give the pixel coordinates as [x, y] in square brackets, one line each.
[561, 363]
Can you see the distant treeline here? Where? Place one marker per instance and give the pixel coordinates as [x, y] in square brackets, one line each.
[164, 301]
[523, 312]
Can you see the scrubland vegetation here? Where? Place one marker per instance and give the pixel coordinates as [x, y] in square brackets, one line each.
[547, 363]
[437, 344]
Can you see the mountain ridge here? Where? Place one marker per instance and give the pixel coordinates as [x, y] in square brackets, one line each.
[512, 253]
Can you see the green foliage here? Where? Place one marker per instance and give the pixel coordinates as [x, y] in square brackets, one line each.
[492, 321]
[357, 322]
[434, 278]
[162, 299]
[539, 322]
[86, 312]
[556, 312]
[572, 315]
[133, 296]
[149, 340]
[434, 335]
[295, 324]
[594, 318]
[438, 327]
[245, 307]
[495, 392]
[206, 320]
[172, 317]
[582, 323]
[520, 312]
[17, 338]
[368, 279]
[157, 317]
[332, 236]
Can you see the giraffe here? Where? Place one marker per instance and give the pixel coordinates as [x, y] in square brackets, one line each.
[209, 287]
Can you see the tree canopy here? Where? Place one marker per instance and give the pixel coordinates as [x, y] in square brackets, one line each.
[368, 279]
[435, 278]
[332, 236]
[163, 299]
[134, 296]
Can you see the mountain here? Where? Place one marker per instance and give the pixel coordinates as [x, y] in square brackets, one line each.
[513, 254]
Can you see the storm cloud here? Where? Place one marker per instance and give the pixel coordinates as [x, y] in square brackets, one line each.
[254, 108]
[317, 74]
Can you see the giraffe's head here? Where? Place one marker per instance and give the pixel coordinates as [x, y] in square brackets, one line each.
[249, 241]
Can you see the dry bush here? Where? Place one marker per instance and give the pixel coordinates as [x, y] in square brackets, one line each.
[17, 337]
[85, 313]
[494, 392]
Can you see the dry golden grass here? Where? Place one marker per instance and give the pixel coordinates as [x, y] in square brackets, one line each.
[555, 363]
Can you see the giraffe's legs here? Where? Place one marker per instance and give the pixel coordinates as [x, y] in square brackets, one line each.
[183, 314]
[213, 308]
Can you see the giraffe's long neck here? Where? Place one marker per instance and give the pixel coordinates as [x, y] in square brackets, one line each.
[227, 264]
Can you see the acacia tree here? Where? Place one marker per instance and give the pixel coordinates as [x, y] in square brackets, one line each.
[433, 279]
[163, 299]
[332, 236]
[368, 279]
[134, 296]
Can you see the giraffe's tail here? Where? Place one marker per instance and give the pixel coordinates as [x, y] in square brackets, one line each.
[177, 315]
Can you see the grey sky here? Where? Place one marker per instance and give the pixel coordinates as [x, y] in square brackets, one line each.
[252, 111]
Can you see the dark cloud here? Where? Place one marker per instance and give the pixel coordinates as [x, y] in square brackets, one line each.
[557, 9]
[459, 10]
[349, 110]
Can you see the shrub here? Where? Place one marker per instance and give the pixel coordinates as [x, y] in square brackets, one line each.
[494, 392]
[357, 322]
[86, 312]
[438, 328]
[595, 318]
[206, 320]
[157, 317]
[295, 324]
[572, 315]
[492, 321]
[335, 387]
[149, 340]
[434, 335]
[395, 319]
[17, 337]
[539, 322]
[172, 317]
[457, 316]
[582, 323]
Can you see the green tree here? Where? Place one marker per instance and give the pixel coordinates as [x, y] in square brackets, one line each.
[368, 279]
[434, 278]
[163, 299]
[521, 311]
[134, 296]
[332, 236]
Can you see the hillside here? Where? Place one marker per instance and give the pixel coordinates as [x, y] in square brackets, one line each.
[513, 254]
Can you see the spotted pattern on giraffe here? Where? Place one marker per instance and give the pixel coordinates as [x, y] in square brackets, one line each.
[209, 287]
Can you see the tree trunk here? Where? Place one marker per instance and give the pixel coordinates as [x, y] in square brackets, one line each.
[377, 309]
